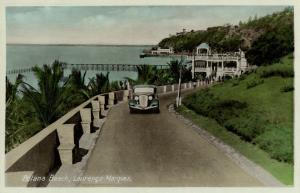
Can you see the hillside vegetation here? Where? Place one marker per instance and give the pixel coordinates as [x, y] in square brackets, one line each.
[258, 108]
[264, 39]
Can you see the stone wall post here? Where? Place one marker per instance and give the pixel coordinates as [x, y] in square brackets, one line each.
[102, 104]
[165, 89]
[111, 99]
[86, 120]
[198, 83]
[125, 95]
[96, 113]
[173, 87]
[190, 84]
[66, 139]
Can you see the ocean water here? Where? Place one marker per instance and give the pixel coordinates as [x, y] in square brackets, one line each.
[25, 56]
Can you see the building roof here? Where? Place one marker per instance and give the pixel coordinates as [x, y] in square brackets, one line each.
[203, 46]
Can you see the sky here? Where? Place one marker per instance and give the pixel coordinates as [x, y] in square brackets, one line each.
[132, 25]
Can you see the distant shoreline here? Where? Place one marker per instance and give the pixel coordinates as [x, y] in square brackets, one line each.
[113, 45]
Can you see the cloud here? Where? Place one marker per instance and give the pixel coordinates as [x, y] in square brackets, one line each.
[96, 21]
[118, 24]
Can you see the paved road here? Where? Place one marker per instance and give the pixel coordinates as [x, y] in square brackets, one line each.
[158, 150]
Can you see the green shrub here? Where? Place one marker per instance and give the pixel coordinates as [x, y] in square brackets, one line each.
[278, 70]
[202, 102]
[206, 104]
[254, 83]
[247, 126]
[227, 78]
[278, 142]
[223, 110]
[243, 76]
[235, 82]
[287, 88]
[232, 114]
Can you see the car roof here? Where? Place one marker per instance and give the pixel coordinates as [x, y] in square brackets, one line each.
[144, 86]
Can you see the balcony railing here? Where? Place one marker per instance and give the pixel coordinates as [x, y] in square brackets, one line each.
[229, 69]
[225, 69]
[213, 57]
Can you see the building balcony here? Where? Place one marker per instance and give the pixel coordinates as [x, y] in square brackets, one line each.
[202, 69]
[229, 69]
[225, 69]
[217, 57]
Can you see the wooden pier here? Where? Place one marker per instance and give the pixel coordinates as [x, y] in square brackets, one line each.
[93, 67]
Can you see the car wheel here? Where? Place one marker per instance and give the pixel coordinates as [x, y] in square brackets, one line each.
[157, 110]
[131, 110]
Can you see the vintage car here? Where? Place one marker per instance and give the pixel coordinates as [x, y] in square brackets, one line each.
[144, 98]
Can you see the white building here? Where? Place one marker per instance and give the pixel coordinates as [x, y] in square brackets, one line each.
[159, 51]
[217, 66]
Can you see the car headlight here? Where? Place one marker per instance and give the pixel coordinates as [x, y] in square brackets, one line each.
[136, 98]
[150, 98]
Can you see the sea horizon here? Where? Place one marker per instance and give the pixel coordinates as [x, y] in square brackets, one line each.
[64, 44]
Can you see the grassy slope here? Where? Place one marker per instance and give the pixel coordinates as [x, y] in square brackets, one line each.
[266, 98]
[277, 106]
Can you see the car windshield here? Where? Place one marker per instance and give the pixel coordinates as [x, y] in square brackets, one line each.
[144, 90]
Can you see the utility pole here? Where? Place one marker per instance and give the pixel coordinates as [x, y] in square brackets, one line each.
[194, 55]
[178, 98]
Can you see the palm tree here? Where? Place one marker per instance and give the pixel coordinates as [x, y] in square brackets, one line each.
[161, 77]
[77, 80]
[99, 85]
[49, 99]
[14, 118]
[115, 85]
[174, 68]
[145, 75]
[12, 89]
[19, 122]
[77, 85]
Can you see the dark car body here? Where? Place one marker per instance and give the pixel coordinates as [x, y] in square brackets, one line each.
[144, 98]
